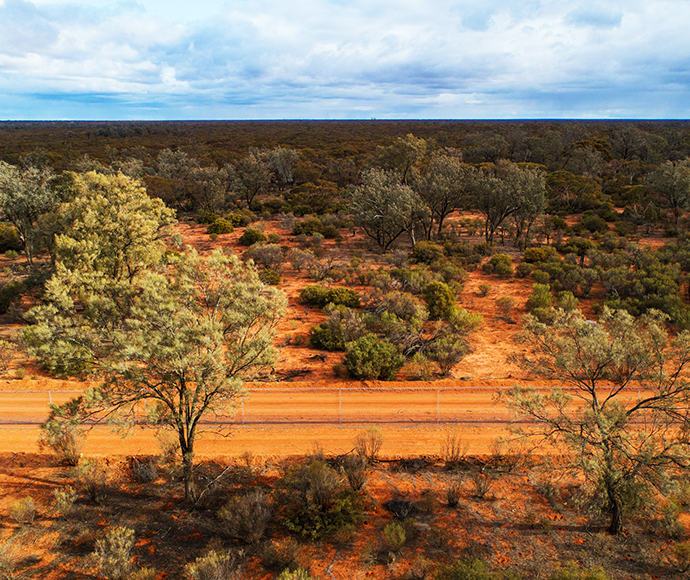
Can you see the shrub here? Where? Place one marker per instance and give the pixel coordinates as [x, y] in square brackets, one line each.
[505, 305]
[204, 216]
[450, 271]
[574, 572]
[500, 265]
[316, 503]
[9, 239]
[242, 218]
[484, 289]
[370, 358]
[265, 255]
[63, 434]
[315, 295]
[308, 227]
[681, 555]
[214, 566]
[64, 500]
[440, 300]
[394, 537]
[269, 277]
[355, 469]
[567, 301]
[144, 470]
[8, 294]
[8, 561]
[453, 449]
[414, 279]
[300, 259]
[91, 479]
[298, 574]
[453, 494]
[368, 444]
[252, 236]
[523, 269]
[113, 553]
[246, 517]
[23, 511]
[447, 351]
[427, 252]
[220, 226]
[541, 297]
[6, 354]
[466, 569]
[541, 277]
[343, 325]
[280, 555]
[419, 368]
[541, 254]
[404, 305]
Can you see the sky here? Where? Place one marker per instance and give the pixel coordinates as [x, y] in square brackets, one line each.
[344, 59]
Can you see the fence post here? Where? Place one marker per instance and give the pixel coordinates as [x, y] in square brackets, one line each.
[438, 404]
[340, 406]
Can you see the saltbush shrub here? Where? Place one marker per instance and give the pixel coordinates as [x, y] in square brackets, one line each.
[246, 517]
[370, 358]
[220, 226]
[316, 502]
[113, 553]
[540, 254]
[269, 276]
[265, 255]
[252, 236]
[23, 511]
[214, 566]
[426, 252]
[315, 295]
[499, 265]
[9, 239]
[440, 300]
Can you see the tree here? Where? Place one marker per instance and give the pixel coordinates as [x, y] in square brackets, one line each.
[402, 155]
[625, 425]
[505, 189]
[444, 188]
[181, 330]
[672, 182]
[385, 209]
[25, 194]
[253, 176]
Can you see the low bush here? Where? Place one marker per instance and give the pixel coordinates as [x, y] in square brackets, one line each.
[242, 218]
[394, 537]
[447, 351]
[91, 479]
[368, 444]
[370, 358]
[220, 226]
[252, 236]
[574, 572]
[505, 305]
[214, 566]
[355, 469]
[269, 276]
[298, 574]
[113, 553]
[499, 265]
[246, 517]
[265, 255]
[540, 254]
[467, 569]
[426, 252]
[64, 500]
[440, 300]
[9, 239]
[279, 555]
[453, 449]
[314, 295]
[144, 470]
[419, 368]
[316, 503]
[23, 511]
[62, 433]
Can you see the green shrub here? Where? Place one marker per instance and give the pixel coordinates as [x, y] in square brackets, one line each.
[567, 301]
[426, 252]
[316, 503]
[220, 226]
[280, 555]
[247, 517]
[447, 351]
[394, 537]
[541, 297]
[574, 572]
[64, 500]
[314, 295]
[252, 236]
[500, 265]
[342, 326]
[466, 569]
[484, 289]
[214, 566]
[23, 511]
[440, 300]
[8, 294]
[204, 216]
[450, 271]
[309, 227]
[593, 223]
[242, 218]
[370, 358]
[269, 276]
[113, 553]
[419, 368]
[541, 277]
[414, 279]
[298, 574]
[63, 434]
[540, 254]
[265, 255]
[523, 269]
[91, 479]
[368, 444]
[9, 239]
[355, 469]
[505, 305]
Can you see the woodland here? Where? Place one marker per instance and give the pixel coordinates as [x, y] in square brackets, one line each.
[163, 266]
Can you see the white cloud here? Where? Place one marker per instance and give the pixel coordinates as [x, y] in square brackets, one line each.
[320, 58]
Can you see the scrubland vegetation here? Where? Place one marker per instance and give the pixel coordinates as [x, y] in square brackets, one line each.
[377, 228]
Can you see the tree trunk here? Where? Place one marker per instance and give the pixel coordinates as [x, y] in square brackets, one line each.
[616, 509]
[188, 470]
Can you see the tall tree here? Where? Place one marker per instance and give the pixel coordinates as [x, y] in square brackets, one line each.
[627, 420]
[671, 181]
[504, 189]
[253, 176]
[25, 194]
[385, 208]
[444, 188]
[402, 156]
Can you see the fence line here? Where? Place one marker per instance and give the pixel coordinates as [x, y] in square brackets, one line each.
[412, 405]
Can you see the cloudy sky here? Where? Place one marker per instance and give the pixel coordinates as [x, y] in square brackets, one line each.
[344, 59]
